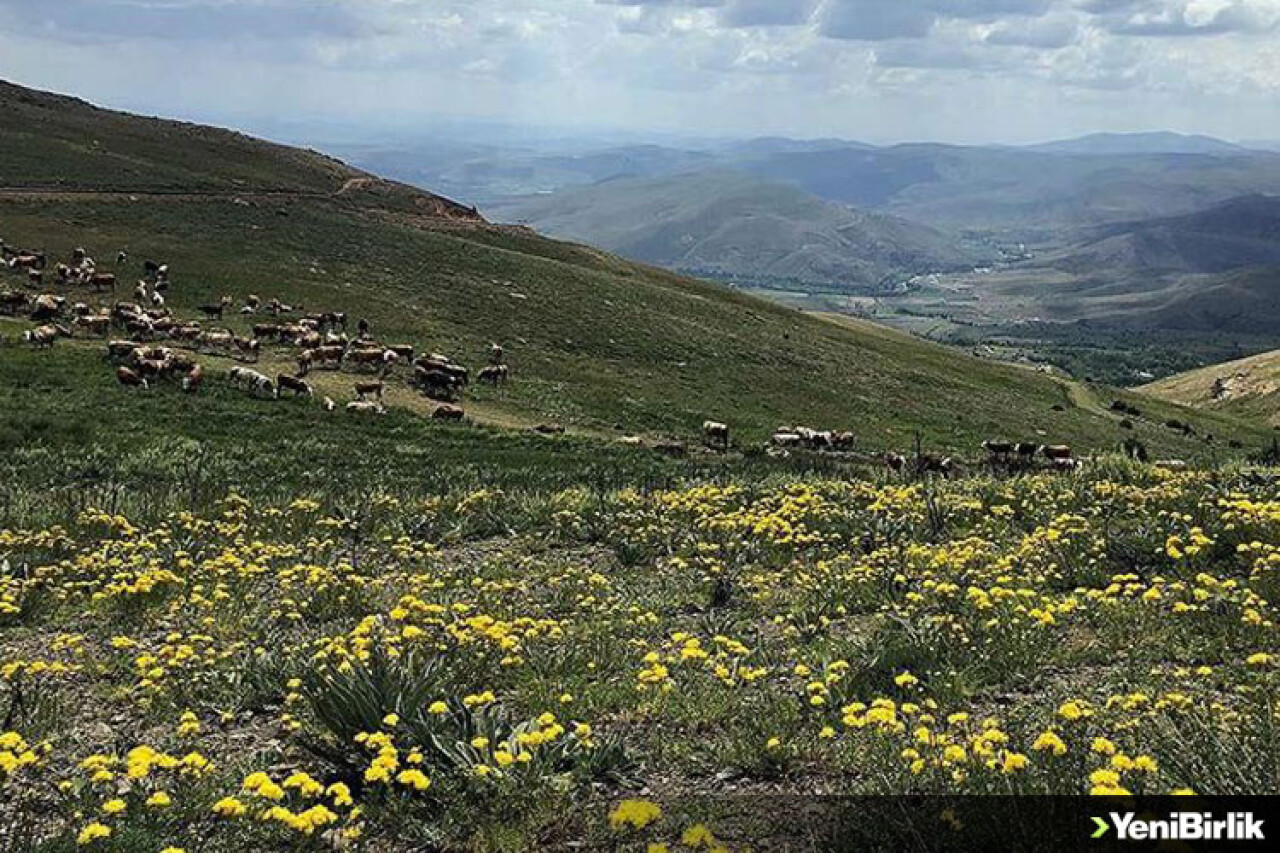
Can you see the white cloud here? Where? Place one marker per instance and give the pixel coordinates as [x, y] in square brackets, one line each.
[951, 69]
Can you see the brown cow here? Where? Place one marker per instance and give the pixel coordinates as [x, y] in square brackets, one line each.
[299, 387]
[103, 281]
[448, 413]
[370, 389]
[129, 379]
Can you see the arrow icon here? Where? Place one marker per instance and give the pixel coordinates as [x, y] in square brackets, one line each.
[1102, 829]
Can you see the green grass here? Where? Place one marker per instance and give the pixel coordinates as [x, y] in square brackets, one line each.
[594, 342]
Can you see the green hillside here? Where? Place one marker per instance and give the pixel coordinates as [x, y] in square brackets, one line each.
[596, 343]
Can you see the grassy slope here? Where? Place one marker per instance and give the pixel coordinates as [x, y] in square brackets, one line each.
[593, 340]
[1253, 383]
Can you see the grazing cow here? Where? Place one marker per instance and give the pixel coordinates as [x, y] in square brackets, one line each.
[999, 449]
[64, 273]
[437, 384]
[140, 291]
[47, 307]
[103, 281]
[1026, 450]
[193, 380]
[785, 439]
[252, 381]
[549, 429]
[157, 299]
[716, 434]
[328, 404]
[844, 441]
[362, 327]
[369, 389]
[933, 464]
[13, 301]
[366, 407]
[129, 379]
[1065, 465]
[299, 387]
[249, 348]
[448, 413]
[368, 357]
[150, 268]
[94, 325]
[496, 354]
[402, 351]
[121, 257]
[213, 312]
[1056, 452]
[895, 462]
[120, 350]
[27, 262]
[266, 331]
[41, 337]
[631, 441]
[35, 278]
[494, 374]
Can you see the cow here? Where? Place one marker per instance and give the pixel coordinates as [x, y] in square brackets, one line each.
[47, 307]
[213, 312]
[328, 404]
[41, 337]
[122, 257]
[631, 441]
[369, 389]
[844, 441]
[1172, 464]
[437, 384]
[895, 462]
[448, 413]
[129, 379]
[549, 429]
[249, 348]
[785, 440]
[103, 281]
[1056, 452]
[13, 302]
[266, 331]
[494, 374]
[366, 407]
[150, 268]
[999, 449]
[496, 354]
[298, 387]
[121, 350]
[934, 464]
[404, 352]
[252, 381]
[35, 278]
[94, 325]
[716, 434]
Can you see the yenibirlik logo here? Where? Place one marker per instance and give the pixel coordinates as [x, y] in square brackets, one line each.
[1182, 826]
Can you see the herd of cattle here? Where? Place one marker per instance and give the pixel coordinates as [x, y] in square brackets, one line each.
[159, 346]
[154, 335]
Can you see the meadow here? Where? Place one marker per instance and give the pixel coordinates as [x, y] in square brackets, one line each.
[511, 667]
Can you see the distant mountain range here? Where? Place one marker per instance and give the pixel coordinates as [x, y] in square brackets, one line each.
[1242, 232]
[738, 226]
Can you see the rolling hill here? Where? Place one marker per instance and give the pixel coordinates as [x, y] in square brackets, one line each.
[595, 342]
[1241, 232]
[732, 225]
[1248, 388]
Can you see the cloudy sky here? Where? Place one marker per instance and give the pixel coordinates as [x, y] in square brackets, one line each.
[881, 70]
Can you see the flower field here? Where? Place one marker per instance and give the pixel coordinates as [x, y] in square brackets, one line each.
[501, 671]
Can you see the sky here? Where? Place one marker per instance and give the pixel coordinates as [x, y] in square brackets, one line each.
[969, 71]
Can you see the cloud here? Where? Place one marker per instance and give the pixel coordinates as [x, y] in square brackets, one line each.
[1044, 33]
[1171, 18]
[767, 13]
[943, 68]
